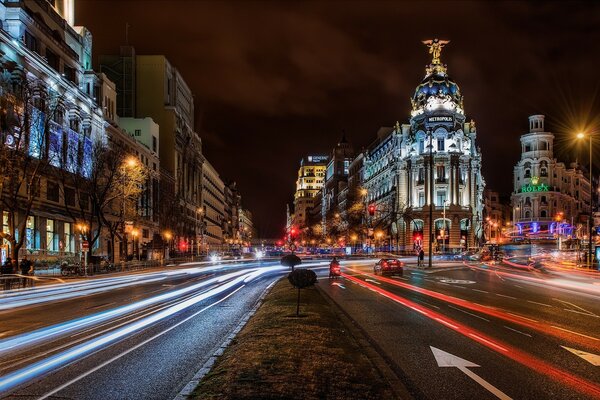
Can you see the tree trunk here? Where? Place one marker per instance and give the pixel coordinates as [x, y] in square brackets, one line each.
[14, 250]
[298, 305]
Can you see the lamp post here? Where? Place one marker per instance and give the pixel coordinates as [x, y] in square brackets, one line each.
[431, 234]
[444, 231]
[83, 229]
[582, 135]
[130, 163]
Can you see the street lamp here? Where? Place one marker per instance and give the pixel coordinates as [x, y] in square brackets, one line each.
[444, 229]
[83, 229]
[130, 163]
[135, 233]
[431, 183]
[580, 136]
[168, 235]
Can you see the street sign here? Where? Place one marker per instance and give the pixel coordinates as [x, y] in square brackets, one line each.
[85, 246]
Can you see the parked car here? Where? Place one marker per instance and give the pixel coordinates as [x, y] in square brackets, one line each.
[388, 266]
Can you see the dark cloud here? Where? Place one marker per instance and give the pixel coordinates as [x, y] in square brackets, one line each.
[276, 80]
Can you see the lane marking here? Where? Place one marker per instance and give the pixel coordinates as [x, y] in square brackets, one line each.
[503, 295]
[471, 314]
[538, 303]
[576, 306]
[581, 313]
[514, 330]
[520, 316]
[445, 359]
[115, 358]
[479, 290]
[593, 359]
[373, 280]
[575, 333]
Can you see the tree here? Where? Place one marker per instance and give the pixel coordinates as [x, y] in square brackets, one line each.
[26, 111]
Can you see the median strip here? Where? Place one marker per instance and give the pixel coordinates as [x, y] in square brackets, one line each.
[278, 355]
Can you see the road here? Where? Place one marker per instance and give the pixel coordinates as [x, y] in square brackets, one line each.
[139, 336]
[477, 331]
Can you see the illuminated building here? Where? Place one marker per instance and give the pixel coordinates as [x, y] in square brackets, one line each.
[336, 179]
[549, 199]
[311, 176]
[431, 165]
[213, 208]
[40, 45]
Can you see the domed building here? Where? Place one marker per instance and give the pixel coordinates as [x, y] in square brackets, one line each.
[424, 178]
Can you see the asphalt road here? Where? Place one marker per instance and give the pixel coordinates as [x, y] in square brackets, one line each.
[139, 336]
[506, 324]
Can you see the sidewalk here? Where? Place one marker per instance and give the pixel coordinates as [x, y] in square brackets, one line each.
[280, 356]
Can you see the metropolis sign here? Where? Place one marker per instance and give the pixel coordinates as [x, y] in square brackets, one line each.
[440, 118]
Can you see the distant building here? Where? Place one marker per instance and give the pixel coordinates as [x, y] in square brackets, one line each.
[311, 176]
[150, 86]
[548, 198]
[213, 208]
[336, 179]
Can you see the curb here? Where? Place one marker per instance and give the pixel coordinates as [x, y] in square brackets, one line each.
[207, 366]
[386, 368]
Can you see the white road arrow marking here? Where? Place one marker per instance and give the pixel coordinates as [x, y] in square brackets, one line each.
[339, 284]
[372, 280]
[593, 359]
[445, 359]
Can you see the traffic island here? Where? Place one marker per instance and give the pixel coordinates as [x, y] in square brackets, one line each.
[281, 356]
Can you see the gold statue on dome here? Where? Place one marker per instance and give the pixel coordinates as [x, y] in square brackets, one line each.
[435, 48]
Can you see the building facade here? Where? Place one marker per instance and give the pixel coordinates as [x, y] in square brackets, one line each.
[548, 198]
[213, 209]
[424, 178]
[311, 176]
[41, 49]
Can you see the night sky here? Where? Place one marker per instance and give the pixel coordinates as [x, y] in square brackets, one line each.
[274, 81]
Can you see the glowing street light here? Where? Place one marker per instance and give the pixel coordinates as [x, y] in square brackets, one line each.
[582, 135]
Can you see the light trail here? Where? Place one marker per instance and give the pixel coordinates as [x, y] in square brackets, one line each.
[46, 333]
[15, 378]
[513, 318]
[579, 384]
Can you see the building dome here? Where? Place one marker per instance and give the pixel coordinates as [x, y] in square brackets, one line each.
[437, 90]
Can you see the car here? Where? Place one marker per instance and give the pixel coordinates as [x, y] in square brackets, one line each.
[389, 266]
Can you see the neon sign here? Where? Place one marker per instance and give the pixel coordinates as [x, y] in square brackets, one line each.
[534, 186]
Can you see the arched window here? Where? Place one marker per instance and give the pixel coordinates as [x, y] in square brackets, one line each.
[527, 214]
[527, 173]
[543, 214]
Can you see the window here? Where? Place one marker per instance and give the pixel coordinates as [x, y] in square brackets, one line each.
[421, 146]
[31, 42]
[154, 144]
[70, 197]
[51, 237]
[52, 191]
[30, 242]
[69, 244]
[441, 173]
[441, 198]
[543, 214]
[70, 74]
[440, 144]
[527, 147]
[53, 60]
[421, 175]
[527, 173]
[421, 199]
[138, 132]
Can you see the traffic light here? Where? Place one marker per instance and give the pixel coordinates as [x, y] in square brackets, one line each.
[372, 209]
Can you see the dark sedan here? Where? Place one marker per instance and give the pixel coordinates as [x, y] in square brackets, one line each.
[388, 266]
